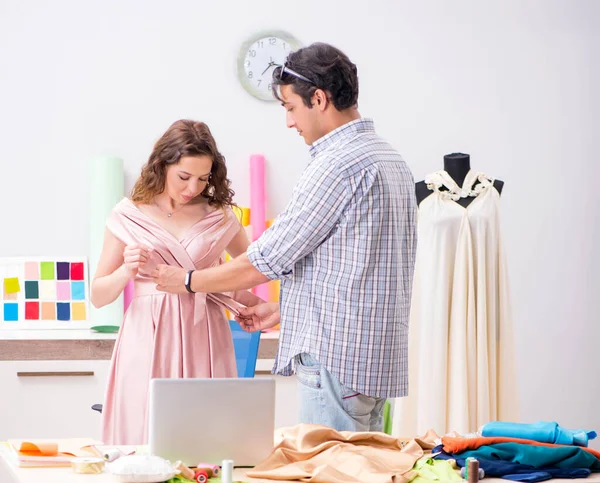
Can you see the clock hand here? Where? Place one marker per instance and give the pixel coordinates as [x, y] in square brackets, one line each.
[271, 64]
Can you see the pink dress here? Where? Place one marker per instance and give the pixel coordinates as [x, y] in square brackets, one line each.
[166, 335]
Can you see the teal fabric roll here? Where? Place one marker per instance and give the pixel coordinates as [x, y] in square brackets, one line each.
[544, 432]
[107, 188]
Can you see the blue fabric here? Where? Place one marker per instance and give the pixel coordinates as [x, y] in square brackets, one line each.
[544, 432]
[516, 471]
[245, 346]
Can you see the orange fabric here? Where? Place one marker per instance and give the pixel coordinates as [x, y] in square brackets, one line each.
[38, 449]
[458, 445]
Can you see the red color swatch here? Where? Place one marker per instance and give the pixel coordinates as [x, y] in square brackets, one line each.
[32, 311]
[76, 271]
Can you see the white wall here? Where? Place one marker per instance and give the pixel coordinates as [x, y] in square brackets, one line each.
[513, 82]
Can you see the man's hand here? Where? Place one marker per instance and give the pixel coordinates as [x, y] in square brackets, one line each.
[169, 279]
[259, 317]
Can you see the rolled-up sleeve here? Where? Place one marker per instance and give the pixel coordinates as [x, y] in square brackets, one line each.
[317, 205]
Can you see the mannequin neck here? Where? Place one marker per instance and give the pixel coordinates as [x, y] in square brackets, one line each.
[457, 165]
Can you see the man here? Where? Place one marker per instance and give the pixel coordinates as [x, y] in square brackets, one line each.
[343, 248]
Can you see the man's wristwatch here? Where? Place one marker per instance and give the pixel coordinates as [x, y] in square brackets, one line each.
[188, 281]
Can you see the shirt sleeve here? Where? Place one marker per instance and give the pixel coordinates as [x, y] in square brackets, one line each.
[318, 204]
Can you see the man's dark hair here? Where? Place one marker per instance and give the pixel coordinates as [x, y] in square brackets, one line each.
[322, 66]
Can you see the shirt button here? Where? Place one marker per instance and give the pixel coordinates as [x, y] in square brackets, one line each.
[318, 384]
[318, 373]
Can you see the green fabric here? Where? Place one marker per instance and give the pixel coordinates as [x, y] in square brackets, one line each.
[387, 418]
[428, 470]
[538, 456]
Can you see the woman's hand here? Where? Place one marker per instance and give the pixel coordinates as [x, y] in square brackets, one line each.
[135, 257]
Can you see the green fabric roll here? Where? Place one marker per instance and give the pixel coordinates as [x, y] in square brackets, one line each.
[387, 418]
[107, 188]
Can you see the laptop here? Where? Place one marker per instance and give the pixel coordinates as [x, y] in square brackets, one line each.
[211, 420]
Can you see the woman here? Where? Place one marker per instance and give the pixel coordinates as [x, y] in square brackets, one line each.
[179, 214]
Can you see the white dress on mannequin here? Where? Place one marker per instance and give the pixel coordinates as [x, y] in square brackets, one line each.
[461, 353]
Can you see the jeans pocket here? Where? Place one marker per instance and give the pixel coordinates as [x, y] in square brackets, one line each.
[356, 404]
[308, 371]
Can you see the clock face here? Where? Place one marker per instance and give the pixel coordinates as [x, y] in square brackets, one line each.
[257, 60]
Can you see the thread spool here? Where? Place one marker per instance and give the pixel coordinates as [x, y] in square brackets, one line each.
[209, 472]
[464, 471]
[212, 470]
[201, 476]
[471, 471]
[227, 471]
[87, 466]
[112, 454]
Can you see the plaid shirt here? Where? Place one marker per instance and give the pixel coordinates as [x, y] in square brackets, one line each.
[344, 249]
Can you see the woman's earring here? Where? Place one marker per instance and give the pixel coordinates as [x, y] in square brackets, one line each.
[210, 190]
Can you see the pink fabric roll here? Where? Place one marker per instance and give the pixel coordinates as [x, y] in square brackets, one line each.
[257, 195]
[258, 218]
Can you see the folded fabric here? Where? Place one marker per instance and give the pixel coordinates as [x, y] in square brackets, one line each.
[429, 470]
[515, 471]
[544, 432]
[58, 452]
[458, 445]
[537, 456]
[322, 455]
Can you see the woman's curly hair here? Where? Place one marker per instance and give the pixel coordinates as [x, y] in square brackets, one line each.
[184, 138]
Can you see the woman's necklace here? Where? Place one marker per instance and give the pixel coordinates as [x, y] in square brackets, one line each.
[169, 214]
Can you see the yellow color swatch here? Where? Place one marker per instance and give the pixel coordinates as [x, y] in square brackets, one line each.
[11, 285]
[78, 311]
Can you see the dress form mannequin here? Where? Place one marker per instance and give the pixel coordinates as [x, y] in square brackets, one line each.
[457, 165]
[461, 341]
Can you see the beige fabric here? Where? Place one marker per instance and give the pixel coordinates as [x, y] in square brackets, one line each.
[319, 454]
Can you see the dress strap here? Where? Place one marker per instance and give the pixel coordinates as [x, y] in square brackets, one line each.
[454, 192]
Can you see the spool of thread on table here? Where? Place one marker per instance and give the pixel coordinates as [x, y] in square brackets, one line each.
[112, 454]
[471, 471]
[227, 471]
[463, 473]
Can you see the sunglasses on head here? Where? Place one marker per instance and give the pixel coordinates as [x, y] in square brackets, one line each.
[286, 70]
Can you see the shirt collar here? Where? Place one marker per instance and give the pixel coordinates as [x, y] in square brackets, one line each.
[348, 130]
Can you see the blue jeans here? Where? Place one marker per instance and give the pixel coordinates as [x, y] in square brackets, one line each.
[325, 400]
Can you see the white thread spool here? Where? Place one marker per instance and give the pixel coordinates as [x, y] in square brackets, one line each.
[227, 471]
[112, 454]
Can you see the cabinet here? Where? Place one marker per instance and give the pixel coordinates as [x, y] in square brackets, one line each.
[49, 381]
[51, 399]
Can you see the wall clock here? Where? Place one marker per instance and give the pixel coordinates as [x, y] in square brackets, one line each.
[259, 56]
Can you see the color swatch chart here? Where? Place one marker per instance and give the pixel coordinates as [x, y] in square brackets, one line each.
[40, 292]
